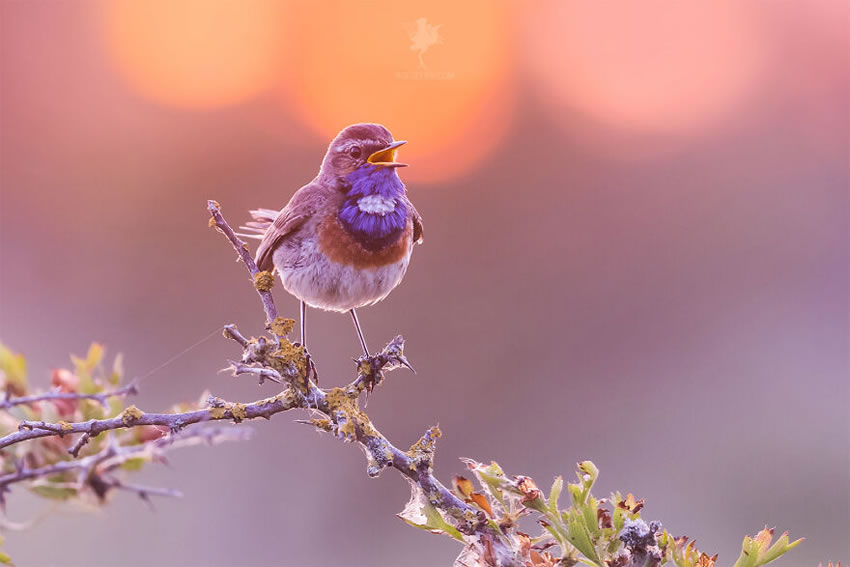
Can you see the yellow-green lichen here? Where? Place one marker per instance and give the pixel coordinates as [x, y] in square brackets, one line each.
[282, 326]
[364, 368]
[427, 442]
[290, 398]
[218, 412]
[349, 413]
[323, 424]
[130, 415]
[66, 426]
[290, 354]
[264, 281]
[422, 452]
[347, 429]
[238, 412]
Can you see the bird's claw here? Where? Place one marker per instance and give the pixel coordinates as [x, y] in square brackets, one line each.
[312, 372]
[370, 371]
[311, 369]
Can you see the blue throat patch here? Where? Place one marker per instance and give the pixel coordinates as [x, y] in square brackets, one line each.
[379, 229]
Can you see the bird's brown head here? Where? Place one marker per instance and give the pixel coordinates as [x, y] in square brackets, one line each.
[357, 145]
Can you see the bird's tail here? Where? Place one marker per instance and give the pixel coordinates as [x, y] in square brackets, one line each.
[263, 219]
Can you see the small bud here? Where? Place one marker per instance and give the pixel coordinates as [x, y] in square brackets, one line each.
[528, 489]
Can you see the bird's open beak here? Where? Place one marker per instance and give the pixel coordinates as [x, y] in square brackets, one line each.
[386, 156]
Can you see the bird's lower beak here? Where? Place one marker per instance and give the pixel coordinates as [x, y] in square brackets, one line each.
[386, 156]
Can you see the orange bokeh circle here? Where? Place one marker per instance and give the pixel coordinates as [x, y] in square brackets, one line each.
[196, 53]
[436, 74]
[653, 65]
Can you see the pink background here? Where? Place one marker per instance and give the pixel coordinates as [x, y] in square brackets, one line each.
[669, 302]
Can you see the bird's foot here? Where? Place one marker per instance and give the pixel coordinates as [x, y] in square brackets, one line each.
[312, 372]
[371, 367]
[311, 368]
[370, 372]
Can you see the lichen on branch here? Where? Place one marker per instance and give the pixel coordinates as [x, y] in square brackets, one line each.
[79, 440]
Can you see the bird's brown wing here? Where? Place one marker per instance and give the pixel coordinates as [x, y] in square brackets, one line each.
[418, 230]
[301, 207]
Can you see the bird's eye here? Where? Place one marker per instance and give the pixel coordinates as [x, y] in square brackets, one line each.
[354, 152]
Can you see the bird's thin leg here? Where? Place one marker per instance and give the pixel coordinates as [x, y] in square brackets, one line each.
[359, 332]
[311, 366]
[303, 324]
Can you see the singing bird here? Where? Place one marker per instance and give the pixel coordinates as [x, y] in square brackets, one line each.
[344, 240]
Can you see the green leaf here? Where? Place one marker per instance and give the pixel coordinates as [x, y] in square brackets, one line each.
[589, 473]
[555, 494]
[420, 513]
[14, 367]
[618, 517]
[94, 355]
[590, 518]
[84, 368]
[757, 551]
[54, 492]
[780, 548]
[579, 536]
[116, 405]
[91, 409]
[576, 493]
[117, 370]
[555, 534]
[490, 477]
[134, 464]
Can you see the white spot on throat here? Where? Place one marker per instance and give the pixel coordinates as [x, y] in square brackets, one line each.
[376, 204]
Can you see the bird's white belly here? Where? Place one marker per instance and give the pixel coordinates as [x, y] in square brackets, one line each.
[311, 276]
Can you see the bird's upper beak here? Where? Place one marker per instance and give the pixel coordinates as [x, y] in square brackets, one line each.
[386, 156]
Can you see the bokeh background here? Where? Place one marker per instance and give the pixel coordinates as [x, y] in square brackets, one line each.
[636, 252]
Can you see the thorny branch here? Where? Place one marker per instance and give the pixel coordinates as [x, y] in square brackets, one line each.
[485, 522]
[343, 416]
[133, 417]
[241, 248]
[102, 397]
[95, 470]
[280, 361]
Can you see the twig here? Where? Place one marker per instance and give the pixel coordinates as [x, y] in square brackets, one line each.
[102, 397]
[112, 456]
[231, 332]
[371, 369]
[262, 374]
[145, 491]
[242, 249]
[133, 417]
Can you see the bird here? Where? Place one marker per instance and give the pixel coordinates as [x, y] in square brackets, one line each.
[344, 240]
